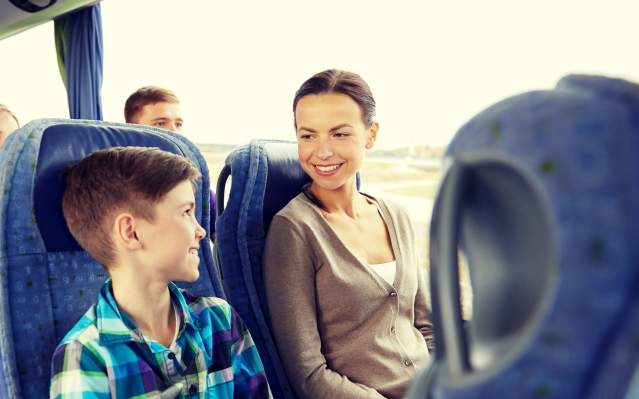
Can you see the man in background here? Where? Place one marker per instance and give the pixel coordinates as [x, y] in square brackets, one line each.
[155, 106]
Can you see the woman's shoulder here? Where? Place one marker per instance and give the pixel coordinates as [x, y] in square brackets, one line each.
[393, 208]
[298, 210]
[297, 220]
[394, 213]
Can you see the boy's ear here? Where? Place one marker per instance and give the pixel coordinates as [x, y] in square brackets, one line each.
[125, 231]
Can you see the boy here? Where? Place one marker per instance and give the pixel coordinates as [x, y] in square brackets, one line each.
[133, 210]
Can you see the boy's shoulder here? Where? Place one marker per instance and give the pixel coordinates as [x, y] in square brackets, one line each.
[201, 304]
[83, 332]
[213, 314]
[202, 300]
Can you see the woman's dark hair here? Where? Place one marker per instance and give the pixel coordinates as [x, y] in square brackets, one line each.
[344, 82]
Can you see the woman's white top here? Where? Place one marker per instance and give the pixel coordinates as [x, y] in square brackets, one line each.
[385, 270]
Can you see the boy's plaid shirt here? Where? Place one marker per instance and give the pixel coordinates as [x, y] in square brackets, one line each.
[104, 355]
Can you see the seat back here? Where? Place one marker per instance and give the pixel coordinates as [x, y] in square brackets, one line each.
[265, 175]
[47, 281]
[540, 193]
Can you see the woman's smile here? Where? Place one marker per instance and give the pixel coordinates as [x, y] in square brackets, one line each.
[327, 170]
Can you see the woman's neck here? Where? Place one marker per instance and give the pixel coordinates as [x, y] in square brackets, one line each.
[346, 199]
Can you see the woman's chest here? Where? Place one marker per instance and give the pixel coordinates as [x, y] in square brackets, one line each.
[368, 238]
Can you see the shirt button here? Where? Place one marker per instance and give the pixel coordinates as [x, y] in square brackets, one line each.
[393, 294]
[193, 389]
[171, 355]
[407, 362]
[393, 330]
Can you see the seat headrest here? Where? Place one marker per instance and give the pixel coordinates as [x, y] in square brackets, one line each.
[65, 144]
[285, 178]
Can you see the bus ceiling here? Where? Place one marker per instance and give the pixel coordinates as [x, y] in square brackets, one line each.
[19, 15]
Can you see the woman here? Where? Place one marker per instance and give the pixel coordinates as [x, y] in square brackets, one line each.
[347, 299]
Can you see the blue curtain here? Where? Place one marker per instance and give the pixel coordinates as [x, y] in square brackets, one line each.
[78, 38]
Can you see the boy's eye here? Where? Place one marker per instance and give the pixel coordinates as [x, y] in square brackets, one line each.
[159, 124]
[178, 124]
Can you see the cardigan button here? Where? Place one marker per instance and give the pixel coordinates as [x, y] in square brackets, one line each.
[393, 294]
[407, 362]
[393, 330]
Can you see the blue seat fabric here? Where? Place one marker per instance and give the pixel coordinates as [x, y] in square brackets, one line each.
[580, 142]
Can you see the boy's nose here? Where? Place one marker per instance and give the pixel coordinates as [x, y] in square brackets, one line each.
[200, 233]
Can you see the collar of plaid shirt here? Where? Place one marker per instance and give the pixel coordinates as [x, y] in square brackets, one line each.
[115, 327]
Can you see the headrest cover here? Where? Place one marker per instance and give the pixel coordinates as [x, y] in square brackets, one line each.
[285, 178]
[65, 144]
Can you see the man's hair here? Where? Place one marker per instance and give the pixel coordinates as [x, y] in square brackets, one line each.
[4, 108]
[145, 96]
[114, 180]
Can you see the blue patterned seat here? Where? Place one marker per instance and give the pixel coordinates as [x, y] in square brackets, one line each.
[541, 193]
[46, 281]
[266, 175]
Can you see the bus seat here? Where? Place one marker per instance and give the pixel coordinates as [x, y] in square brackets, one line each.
[46, 280]
[540, 192]
[265, 176]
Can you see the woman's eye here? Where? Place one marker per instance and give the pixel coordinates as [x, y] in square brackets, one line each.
[341, 134]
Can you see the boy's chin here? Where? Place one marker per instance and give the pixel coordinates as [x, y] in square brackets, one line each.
[193, 278]
[188, 278]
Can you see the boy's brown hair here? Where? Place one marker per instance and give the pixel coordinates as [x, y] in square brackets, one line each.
[114, 180]
[145, 96]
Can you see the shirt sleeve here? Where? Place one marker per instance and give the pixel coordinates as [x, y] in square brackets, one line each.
[76, 372]
[249, 376]
[290, 289]
[423, 313]
[423, 309]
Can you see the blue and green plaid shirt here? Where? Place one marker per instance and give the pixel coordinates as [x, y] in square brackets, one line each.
[105, 355]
